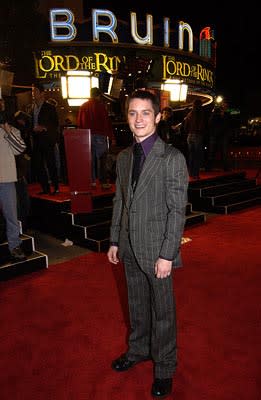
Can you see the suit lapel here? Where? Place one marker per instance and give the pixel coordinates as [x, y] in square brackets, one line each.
[126, 173]
[150, 167]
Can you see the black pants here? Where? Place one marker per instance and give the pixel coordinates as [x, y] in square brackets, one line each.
[152, 315]
[44, 163]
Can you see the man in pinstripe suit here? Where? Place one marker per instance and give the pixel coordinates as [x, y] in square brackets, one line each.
[147, 225]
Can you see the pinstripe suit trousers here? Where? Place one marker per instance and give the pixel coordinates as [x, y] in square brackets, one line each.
[152, 317]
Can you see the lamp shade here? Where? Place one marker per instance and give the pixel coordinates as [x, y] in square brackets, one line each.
[178, 90]
[76, 86]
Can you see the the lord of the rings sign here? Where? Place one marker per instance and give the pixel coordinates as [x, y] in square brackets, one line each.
[52, 64]
[127, 48]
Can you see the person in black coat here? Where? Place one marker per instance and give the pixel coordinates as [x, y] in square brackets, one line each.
[45, 137]
[219, 133]
[166, 125]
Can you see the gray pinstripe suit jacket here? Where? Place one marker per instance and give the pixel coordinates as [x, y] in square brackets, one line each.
[153, 216]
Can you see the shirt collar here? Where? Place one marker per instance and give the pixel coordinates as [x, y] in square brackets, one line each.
[148, 143]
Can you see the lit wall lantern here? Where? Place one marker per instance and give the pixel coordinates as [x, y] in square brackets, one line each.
[178, 90]
[219, 99]
[76, 86]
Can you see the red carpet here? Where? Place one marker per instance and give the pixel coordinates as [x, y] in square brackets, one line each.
[61, 327]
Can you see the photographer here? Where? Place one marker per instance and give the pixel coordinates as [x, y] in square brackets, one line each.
[11, 144]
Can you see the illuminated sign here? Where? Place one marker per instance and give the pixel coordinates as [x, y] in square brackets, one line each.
[52, 65]
[104, 23]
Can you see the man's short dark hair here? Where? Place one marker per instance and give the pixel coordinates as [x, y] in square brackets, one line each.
[145, 95]
[167, 109]
[95, 92]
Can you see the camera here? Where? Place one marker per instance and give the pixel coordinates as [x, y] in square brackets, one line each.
[3, 117]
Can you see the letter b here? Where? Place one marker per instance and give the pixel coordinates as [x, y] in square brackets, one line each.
[68, 24]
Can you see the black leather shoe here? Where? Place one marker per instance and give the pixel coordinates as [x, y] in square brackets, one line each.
[123, 363]
[17, 254]
[161, 388]
[56, 191]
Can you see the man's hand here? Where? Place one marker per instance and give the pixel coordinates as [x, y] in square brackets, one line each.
[6, 127]
[113, 254]
[163, 268]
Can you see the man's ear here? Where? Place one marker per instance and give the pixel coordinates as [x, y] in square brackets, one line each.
[158, 117]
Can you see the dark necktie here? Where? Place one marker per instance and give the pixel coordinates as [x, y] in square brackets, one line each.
[138, 158]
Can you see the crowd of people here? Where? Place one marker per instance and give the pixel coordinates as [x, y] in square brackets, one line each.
[28, 144]
[30, 153]
[202, 135]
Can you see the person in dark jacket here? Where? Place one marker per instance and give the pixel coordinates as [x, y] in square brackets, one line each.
[45, 137]
[218, 137]
[166, 125]
[195, 128]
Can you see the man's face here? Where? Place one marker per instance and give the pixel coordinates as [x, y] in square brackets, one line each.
[141, 118]
[2, 105]
[36, 94]
[166, 114]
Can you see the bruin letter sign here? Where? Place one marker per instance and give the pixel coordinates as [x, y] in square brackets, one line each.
[63, 29]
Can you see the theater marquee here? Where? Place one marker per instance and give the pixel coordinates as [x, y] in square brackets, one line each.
[161, 52]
